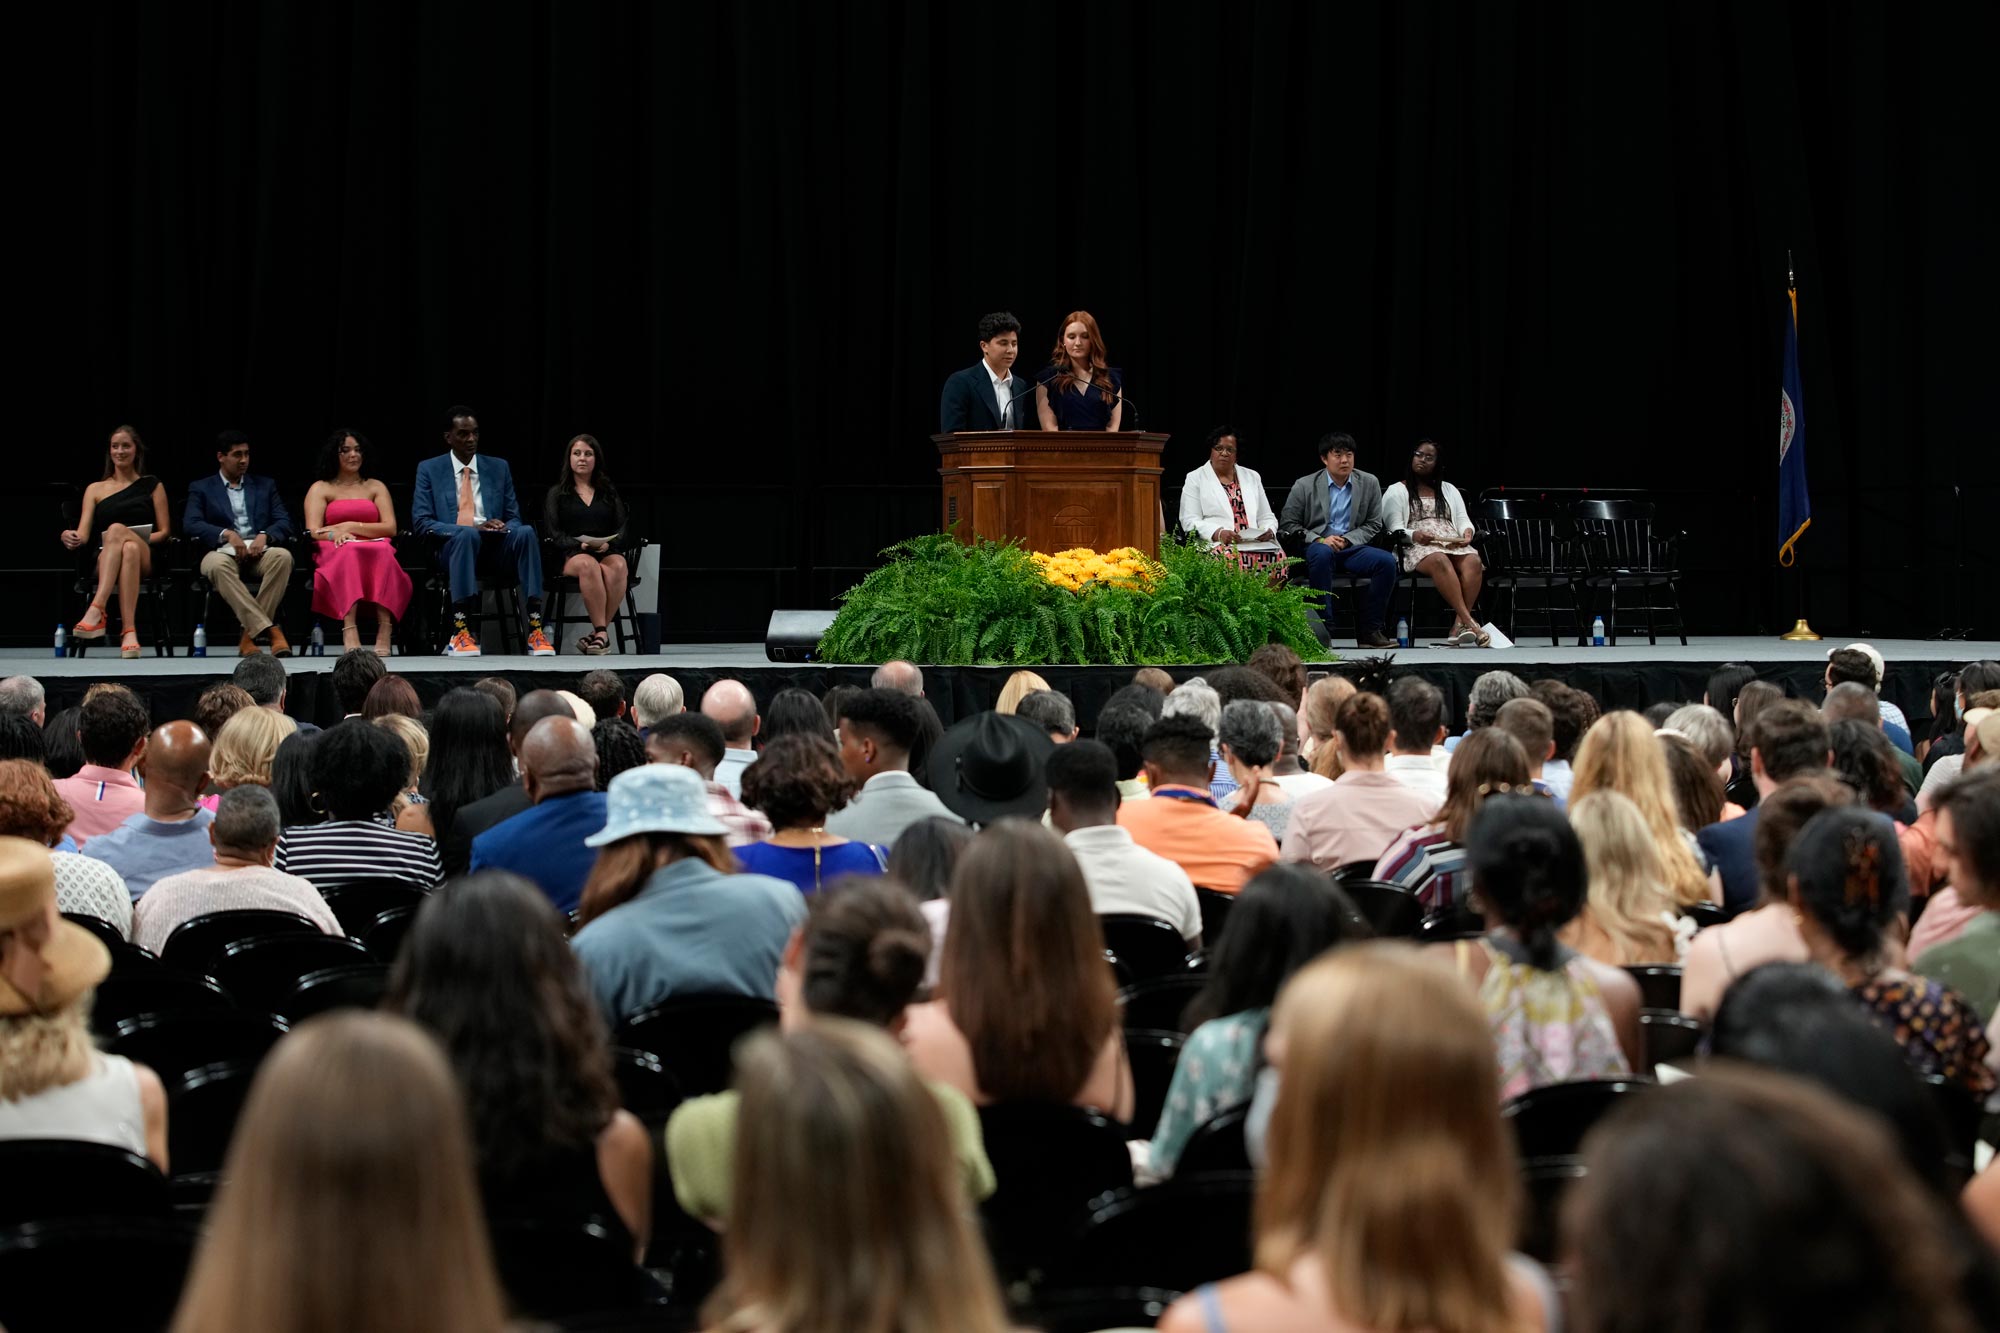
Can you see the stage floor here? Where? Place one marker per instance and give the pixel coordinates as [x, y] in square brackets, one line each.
[1632, 674]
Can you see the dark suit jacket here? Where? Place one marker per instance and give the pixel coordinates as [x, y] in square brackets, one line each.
[435, 504]
[473, 820]
[1732, 846]
[1305, 507]
[967, 402]
[208, 513]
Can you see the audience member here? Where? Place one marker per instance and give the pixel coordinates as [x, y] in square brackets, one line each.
[20, 738]
[486, 971]
[170, 832]
[794, 711]
[1365, 809]
[262, 677]
[1656, 714]
[465, 503]
[1323, 700]
[834, 704]
[1121, 728]
[1288, 771]
[1851, 701]
[1570, 714]
[876, 733]
[418, 742]
[1713, 736]
[357, 774]
[1724, 683]
[1808, 1216]
[923, 860]
[662, 913]
[1181, 821]
[734, 709]
[1249, 740]
[1154, 679]
[545, 844]
[1285, 917]
[31, 809]
[1785, 739]
[1628, 917]
[903, 677]
[1967, 957]
[352, 677]
[1770, 932]
[1232, 683]
[1862, 664]
[244, 836]
[618, 748]
[1051, 711]
[511, 799]
[604, 692]
[392, 695]
[1620, 753]
[1416, 727]
[1752, 699]
[1556, 1015]
[835, 1125]
[1491, 691]
[797, 783]
[1121, 876]
[62, 745]
[292, 781]
[1847, 883]
[695, 742]
[1349, 1182]
[990, 766]
[1282, 667]
[54, 1082]
[1429, 859]
[657, 698]
[469, 761]
[502, 692]
[23, 696]
[1026, 1008]
[1696, 788]
[1197, 699]
[218, 703]
[860, 956]
[930, 730]
[111, 728]
[1945, 722]
[246, 746]
[1018, 687]
[1533, 727]
[348, 1200]
[1865, 761]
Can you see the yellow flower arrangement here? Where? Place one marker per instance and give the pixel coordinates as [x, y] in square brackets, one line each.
[1126, 567]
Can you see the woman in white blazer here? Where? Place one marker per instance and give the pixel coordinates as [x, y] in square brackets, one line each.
[1224, 504]
[1427, 509]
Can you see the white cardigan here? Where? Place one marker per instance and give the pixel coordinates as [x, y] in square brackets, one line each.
[1396, 508]
[1204, 506]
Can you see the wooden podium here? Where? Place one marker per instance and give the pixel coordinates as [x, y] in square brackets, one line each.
[1053, 490]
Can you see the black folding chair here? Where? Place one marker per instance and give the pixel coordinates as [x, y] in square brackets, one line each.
[358, 902]
[153, 590]
[1544, 1183]
[47, 1179]
[153, 990]
[54, 1275]
[1622, 549]
[357, 985]
[262, 970]
[1217, 1144]
[559, 587]
[202, 1110]
[1530, 547]
[1659, 986]
[645, 1088]
[1153, 1056]
[1050, 1164]
[106, 933]
[1160, 1004]
[1089, 1309]
[176, 1043]
[1175, 1236]
[384, 936]
[1215, 905]
[1460, 921]
[553, 1270]
[1392, 911]
[1668, 1039]
[1146, 945]
[1551, 1121]
[196, 945]
[695, 1036]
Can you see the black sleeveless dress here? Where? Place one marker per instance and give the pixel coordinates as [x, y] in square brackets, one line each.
[132, 506]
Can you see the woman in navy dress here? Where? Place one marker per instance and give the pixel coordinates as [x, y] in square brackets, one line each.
[585, 519]
[1077, 390]
[126, 499]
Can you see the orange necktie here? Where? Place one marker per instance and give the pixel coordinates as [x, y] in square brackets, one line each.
[465, 512]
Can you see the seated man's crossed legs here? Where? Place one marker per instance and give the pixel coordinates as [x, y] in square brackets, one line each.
[464, 551]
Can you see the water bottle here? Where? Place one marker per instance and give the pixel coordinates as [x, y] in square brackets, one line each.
[1597, 632]
[1402, 632]
[200, 648]
[318, 641]
[62, 640]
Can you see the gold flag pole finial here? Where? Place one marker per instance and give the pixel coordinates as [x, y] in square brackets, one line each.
[1800, 633]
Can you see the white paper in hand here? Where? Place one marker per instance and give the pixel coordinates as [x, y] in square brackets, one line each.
[1499, 640]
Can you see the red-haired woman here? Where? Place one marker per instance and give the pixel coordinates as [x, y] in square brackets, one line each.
[1077, 390]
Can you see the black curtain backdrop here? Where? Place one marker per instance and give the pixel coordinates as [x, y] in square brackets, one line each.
[744, 243]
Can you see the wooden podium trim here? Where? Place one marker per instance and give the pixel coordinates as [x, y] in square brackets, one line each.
[1053, 490]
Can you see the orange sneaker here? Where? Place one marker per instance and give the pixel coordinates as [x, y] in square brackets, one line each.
[462, 645]
[538, 643]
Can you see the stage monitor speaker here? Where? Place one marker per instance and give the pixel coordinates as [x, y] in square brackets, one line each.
[794, 636]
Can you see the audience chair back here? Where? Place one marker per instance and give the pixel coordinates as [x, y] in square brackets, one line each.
[1669, 1038]
[262, 970]
[1160, 1005]
[202, 1109]
[1215, 905]
[1090, 1309]
[384, 935]
[125, 1273]
[645, 1088]
[1460, 921]
[562, 1271]
[1961, 1116]
[1174, 1236]
[1551, 1121]
[695, 1036]
[174, 1043]
[1659, 987]
[359, 902]
[1217, 1144]
[106, 933]
[153, 990]
[358, 985]
[1050, 1165]
[1391, 910]
[196, 945]
[50, 1179]
[1147, 946]
[1153, 1056]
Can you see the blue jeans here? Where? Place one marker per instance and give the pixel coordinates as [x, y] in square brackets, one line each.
[1369, 562]
[464, 549]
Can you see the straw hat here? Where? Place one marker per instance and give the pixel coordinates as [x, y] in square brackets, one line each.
[69, 961]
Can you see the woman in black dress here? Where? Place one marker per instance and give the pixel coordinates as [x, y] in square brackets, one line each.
[126, 498]
[1077, 390]
[585, 519]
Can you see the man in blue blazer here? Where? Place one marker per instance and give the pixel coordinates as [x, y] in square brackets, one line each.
[466, 500]
[989, 396]
[241, 522]
[545, 843]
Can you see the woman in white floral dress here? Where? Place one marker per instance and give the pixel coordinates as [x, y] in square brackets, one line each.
[1426, 509]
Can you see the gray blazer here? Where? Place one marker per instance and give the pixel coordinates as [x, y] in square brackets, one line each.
[884, 807]
[1306, 506]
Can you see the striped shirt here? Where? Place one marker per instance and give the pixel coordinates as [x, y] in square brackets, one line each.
[346, 851]
[1429, 865]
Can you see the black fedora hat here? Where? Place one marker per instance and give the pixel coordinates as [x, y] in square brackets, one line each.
[989, 766]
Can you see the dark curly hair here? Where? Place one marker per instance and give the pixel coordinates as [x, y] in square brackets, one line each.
[797, 781]
[618, 748]
[1864, 759]
[327, 466]
[1528, 870]
[1846, 871]
[357, 771]
[487, 969]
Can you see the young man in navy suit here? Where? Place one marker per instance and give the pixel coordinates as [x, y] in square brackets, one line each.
[989, 396]
[242, 520]
[467, 500]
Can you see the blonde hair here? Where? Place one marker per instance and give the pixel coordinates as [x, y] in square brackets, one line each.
[1322, 704]
[43, 1051]
[413, 735]
[1018, 687]
[1620, 753]
[348, 1199]
[246, 745]
[836, 1125]
[1389, 1164]
[1628, 896]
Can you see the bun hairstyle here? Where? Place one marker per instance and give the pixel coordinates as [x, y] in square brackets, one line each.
[866, 948]
[1528, 870]
[1846, 872]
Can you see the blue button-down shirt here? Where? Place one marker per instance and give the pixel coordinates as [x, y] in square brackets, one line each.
[1339, 505]
[239, 507]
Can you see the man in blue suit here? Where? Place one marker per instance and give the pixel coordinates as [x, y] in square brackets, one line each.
[544, 843]
[467, 501]
[241, 521]
[989, 396]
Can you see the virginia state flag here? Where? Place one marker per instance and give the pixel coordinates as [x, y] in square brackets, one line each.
[1794, 505]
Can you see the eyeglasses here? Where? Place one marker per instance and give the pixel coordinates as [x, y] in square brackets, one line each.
[1222, 448]
[1422, 454]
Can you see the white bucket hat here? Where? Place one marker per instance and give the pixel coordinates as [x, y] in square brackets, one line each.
[656, 798]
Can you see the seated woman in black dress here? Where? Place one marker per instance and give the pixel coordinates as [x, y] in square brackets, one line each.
[125, 499]
[1077, 390]
[585, 519]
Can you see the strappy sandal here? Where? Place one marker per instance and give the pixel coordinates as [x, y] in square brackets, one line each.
[128, 646]
[83, 629]
[595, 643]
[350, 639]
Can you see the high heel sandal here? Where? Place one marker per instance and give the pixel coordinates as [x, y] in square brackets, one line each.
[128, 646]
[350, 639]
[83, 629]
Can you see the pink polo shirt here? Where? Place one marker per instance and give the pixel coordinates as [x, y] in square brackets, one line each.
[1356, 819]
[103, 798]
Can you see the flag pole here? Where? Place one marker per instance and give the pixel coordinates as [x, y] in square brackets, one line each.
[1800, 632]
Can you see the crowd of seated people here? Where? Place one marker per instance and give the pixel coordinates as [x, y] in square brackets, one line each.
[465, 509]
[1368, 1008]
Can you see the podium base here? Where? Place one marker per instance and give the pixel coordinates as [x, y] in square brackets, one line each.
[1800, 633]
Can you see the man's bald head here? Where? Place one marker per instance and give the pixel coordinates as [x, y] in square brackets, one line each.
[530, 709]
[558, 757]
[900, 676]
[175, 764]
[733, 708]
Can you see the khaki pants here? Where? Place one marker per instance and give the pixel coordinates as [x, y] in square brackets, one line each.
[270, 572]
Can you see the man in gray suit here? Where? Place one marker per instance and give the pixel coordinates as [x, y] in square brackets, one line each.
[1337, 511]
[877, 728]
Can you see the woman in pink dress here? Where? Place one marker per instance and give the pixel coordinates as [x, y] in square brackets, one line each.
[353, 519]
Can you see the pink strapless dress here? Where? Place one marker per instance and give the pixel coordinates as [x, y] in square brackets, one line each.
[358, 571]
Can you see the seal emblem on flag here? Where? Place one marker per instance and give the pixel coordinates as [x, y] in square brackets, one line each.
[1787, 422]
